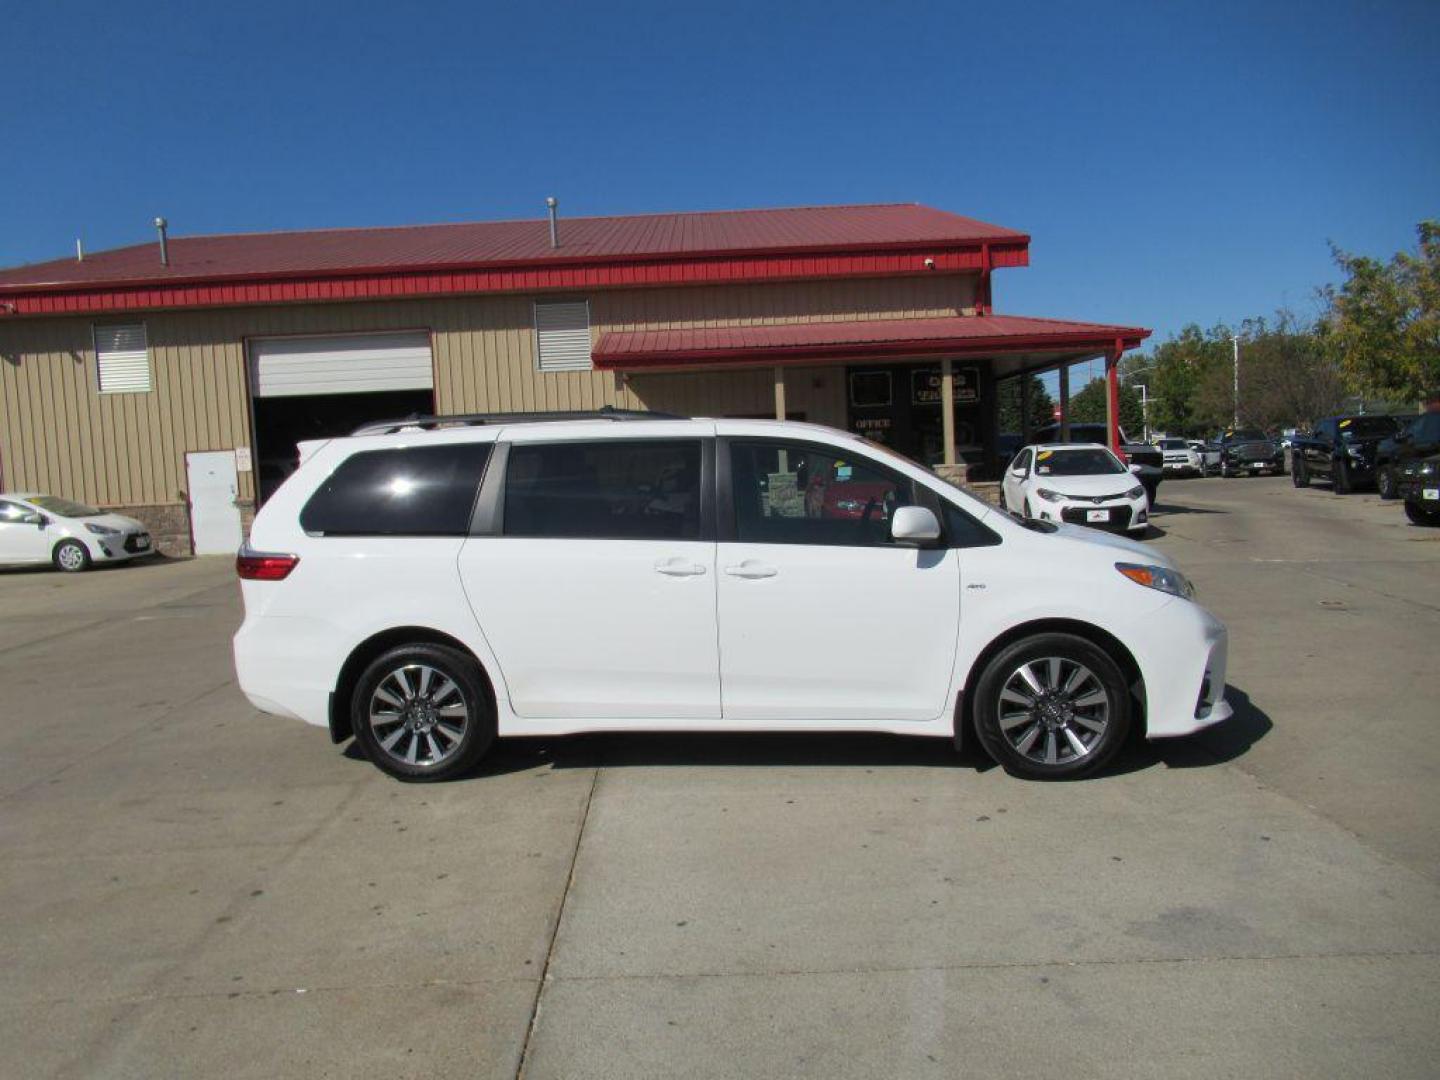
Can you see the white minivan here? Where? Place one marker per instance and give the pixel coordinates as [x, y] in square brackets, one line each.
[428, 586]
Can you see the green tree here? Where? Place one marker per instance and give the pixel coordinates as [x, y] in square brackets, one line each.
[1088, 407]
[1288, 375]
[1187, 379]
[1384, 320]
[1042, 407]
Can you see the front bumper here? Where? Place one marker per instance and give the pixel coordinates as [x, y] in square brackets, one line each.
[1183, 658]
[1120, 515]
[122, 546]
[1421, 489]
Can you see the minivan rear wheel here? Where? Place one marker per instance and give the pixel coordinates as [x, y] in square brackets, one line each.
[421, 713]
[1052, 707]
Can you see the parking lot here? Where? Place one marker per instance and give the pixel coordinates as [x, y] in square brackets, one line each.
[191, 887]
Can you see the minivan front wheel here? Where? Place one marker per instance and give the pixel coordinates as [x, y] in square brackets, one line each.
[421, 712]
[1052, 707]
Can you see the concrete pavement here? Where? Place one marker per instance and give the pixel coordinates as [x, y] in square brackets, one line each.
[191, 888]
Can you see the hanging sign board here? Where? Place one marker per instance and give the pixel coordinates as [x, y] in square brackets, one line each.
[925, 386]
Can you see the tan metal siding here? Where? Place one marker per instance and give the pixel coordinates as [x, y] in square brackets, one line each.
[129, 449]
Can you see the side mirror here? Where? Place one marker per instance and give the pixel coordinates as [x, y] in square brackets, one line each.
[914, 525]
[1135, 468]
[1018, 473]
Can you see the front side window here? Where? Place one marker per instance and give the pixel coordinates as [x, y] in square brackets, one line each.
[410, 491]
[15, 514]
[1022, 462]
[796, 493]
[604, 490]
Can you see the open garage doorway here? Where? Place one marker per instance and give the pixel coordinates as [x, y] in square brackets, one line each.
[321, 387]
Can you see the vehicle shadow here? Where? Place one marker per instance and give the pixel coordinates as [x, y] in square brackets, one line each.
[862, 750]
[1214, 746]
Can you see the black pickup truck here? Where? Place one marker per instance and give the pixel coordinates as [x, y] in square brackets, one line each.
[1248, 450]
[1146, 462]
[1340, 449]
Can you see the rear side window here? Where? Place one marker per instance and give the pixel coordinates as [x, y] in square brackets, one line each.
[608, 490]
[414, 491]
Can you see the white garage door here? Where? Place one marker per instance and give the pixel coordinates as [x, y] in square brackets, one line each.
[344, 364]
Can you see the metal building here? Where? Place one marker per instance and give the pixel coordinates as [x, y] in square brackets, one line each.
[171, 380]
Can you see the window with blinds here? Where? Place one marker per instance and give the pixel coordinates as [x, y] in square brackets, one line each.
[122, 359]
[562, 334]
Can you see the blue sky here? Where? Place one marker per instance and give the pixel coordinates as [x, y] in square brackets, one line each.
[1173, 163]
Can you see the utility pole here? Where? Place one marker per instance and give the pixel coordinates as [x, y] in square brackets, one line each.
[1235, 341]
[1144, 411]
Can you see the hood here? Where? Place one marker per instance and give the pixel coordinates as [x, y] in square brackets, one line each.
[113, 521]
[1133, 549]
[1088, 486]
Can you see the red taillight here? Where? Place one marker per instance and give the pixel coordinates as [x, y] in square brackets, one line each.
[260, 566]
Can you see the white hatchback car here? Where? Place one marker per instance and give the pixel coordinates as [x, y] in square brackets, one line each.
[428, 591]
[38, 528]
[1075, 483]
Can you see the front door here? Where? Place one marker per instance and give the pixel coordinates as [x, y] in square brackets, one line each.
[598, 597]
[822, 616]
[214, 516]
[23, 536]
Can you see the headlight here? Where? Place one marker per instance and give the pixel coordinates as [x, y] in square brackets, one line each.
[102, 530]
[1050, 496]
[1135, 492]
[1355, 451]
[1158, 577]
[1426, 470]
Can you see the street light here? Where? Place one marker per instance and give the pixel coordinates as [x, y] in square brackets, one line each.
[1144, 411]
[1235, 342]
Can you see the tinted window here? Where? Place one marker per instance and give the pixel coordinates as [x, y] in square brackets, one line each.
[1095, 462]
[1366, 427]
[794, 493]
[13, 513]
[416, 491]
[962, 530]
[607, 490]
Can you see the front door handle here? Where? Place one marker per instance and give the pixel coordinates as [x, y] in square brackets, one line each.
[751, 569]
[678, 567]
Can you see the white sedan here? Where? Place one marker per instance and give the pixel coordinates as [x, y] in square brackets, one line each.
[38, 528]
[1075, 483]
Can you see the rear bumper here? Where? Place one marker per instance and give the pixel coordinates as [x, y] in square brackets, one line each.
[285, 666]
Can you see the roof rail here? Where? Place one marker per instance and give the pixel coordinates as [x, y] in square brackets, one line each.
[432, 423]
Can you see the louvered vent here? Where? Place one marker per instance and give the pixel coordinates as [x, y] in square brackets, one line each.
[562, 331]
[123, 361]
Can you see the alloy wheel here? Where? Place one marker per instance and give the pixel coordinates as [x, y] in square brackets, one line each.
[418, 715]
[71, 556]
[1053, 710]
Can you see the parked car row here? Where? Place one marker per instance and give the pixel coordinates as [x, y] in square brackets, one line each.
[1400, 457]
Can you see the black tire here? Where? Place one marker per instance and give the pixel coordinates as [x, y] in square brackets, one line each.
[1385, 483]
[1225, 470]
[1004, 744]
[1344, 484]
[71, 556]
[1152, 492]
[1300, 475]
[477, 731]
[1420, 515]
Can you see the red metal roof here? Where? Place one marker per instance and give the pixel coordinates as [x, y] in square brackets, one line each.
[817, 342]
[515, 244]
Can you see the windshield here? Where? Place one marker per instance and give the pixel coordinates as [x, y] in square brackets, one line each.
[1243, 434]
[1365, 427]
[64, 507]
[1092, 461]
[1174, 444]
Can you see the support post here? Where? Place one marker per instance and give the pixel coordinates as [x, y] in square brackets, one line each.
[1064, 402]
[1112, 398]
[947, 408]
[779, 392]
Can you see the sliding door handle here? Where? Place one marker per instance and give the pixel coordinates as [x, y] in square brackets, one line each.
[678, 567]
